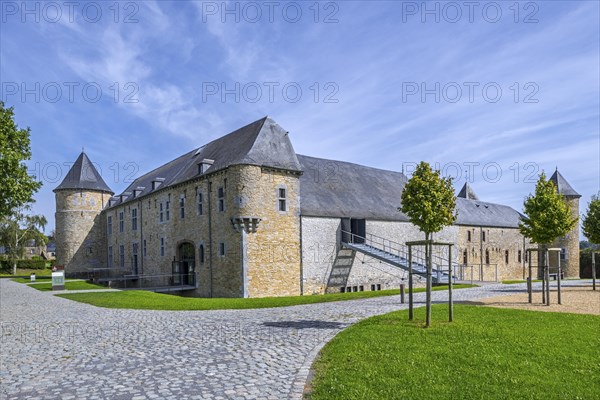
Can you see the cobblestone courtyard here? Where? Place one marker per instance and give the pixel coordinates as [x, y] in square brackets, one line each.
[56, 348]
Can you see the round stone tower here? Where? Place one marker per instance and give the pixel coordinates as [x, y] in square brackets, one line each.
[569, 243]
[80, 236]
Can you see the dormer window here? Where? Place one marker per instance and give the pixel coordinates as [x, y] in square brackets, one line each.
[137, 191]
[204, 165]
[157, 182]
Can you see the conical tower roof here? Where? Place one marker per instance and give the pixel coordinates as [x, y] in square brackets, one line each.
[467, 192]
[563, 186]
[84, 176]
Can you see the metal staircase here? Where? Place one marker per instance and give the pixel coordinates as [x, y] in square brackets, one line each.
[396, 254]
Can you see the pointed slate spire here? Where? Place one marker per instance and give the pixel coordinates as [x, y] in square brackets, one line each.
[83, 176]
[467, 192]
[563, 186]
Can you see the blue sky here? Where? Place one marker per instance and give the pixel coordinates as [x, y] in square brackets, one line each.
[499, 90]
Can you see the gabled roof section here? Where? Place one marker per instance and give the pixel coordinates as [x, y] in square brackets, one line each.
[481, 213]
[83, 176]
[262, 143]
[563, 186]
[340, 189]
[467, 192]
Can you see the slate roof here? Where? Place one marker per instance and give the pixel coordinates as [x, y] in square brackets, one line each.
[340, 189]
[261, 143]
[83, 175]
[467, 192]
[563, 186]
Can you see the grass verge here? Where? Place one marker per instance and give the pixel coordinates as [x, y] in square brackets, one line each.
[26, 272]
[486, 353]
[75, 285]
[143, 300]
[510, 282]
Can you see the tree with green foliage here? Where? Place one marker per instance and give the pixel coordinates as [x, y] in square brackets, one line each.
[547, 214]
[429, 202]
[16, 185]
[18, 229]
[591, 221]
[547, 217]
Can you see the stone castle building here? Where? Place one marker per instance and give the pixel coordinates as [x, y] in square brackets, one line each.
[245, 216]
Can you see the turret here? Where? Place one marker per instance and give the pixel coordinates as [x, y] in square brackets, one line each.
[570, 242]
[80, 236]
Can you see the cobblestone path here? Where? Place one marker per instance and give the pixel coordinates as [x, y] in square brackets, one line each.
[56, 348]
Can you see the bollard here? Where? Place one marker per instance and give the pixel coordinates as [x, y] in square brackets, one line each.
[32, 277]
[402, 293]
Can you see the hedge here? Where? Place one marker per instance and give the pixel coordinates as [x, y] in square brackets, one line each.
[23, 264]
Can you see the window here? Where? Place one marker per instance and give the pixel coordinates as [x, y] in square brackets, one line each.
[506, 256]
[109, 225]
[361, 288]
[483, 236]
[379, 286]
[134, 258]
[167, 209]
[122, 256]
[468, 236]
[221, 196]
[144, 248]
[182, 206]
[200, 205]
[222, 249]
[121, 222]
[563, 254]
[526, 256]
[487, 256]
[162, 247]
[201, 254]
[282, 199]
[134, 219]
[465, 257]
[160, 213]
[343, 289]
[519, 256]
[110, 257]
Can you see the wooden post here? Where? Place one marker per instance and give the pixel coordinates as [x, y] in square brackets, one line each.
[558, 279]
[450, 308]
[593, 270]
[529, 283]
[547, 278]
[428, 294]
[402, 293]
[411, 314]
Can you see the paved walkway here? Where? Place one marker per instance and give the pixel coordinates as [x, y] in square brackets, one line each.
[55, 348]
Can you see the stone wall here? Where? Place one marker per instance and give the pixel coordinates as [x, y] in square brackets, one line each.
[570, 242]
[80, 236]
[320, 241]
[486, 253]
[270, 255]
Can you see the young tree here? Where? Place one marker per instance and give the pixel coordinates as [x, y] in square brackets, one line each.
[18, 229]
[591, 221]
[429, 202]
[547, 216]
[17, 186]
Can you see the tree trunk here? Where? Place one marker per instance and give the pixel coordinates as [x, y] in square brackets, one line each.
[429, 270]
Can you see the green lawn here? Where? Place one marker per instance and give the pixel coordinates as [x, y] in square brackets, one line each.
[487, 353]
[510, 282]
[143, 300]
[27, 272]
[73, 285]
[37, 279]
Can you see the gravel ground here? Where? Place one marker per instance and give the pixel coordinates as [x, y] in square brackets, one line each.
[580, 300]
[56, 348]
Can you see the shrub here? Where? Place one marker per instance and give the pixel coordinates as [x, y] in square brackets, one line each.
[23, 264]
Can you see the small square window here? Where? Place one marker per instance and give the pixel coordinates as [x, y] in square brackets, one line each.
[282, 199]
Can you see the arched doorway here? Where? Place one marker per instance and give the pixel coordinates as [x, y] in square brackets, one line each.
[183, 268]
